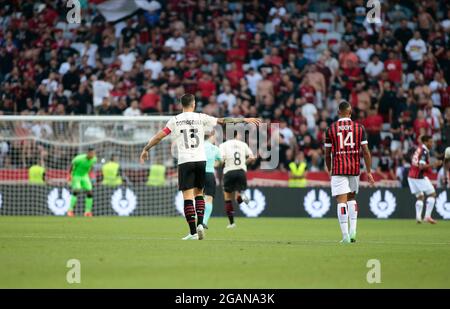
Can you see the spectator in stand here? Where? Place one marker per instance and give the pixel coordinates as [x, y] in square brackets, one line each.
[386, 166]
[393, 66]
[154, 65]
[416, 49]
[373, 124]
[151, 101]
[374, 68]
[127, 59]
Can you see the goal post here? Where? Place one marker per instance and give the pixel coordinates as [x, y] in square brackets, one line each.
[36, 154]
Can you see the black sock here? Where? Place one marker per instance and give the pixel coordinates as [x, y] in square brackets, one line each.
[189, 213]
[230, 211]
[200, 208]
[239, 199]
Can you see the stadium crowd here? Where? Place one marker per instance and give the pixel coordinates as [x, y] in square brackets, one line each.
[289, 62]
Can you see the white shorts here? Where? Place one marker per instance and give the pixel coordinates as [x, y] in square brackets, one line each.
[344, 184]
[420, 186]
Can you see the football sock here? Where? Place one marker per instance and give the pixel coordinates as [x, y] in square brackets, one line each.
[230, 211]
[73, 202]
[189, 213]
[343, 218]
[200, 208]
[208, 211]
[419, 207]
[353, 215]
[88, 203]
[430, 205]
[239, 199]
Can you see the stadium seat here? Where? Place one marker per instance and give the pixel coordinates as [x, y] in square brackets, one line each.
[333, 40]
[327, 17]
[314, 16]
[322, 27]
[318, 38]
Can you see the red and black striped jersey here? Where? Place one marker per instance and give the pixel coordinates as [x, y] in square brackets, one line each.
[420, 156]
[345, 138]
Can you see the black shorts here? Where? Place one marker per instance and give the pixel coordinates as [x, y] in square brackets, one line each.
[235, 181]
[210, 184]
[191, 175]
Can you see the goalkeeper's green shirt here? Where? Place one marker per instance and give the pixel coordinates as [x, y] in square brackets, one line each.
[81, 165]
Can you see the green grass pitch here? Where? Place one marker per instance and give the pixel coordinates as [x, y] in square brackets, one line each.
[146, 252]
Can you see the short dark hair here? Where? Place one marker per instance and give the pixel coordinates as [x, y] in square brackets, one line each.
[425, 138]
[187, 100]
[344, 106]
[91, 148]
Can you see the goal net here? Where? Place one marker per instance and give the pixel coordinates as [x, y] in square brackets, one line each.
[36, 154]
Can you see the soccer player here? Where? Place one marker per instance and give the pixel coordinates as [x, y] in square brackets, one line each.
[343, 142]
[447, 167]
[79, 177]
[236, 155]
[212, 158]
[419, 184]
[188, 131]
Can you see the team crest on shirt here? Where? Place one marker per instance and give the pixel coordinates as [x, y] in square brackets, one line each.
[382, 208]
[443, 205]
[317, 205]
[256, 205]
[123, 201]
[58, 201]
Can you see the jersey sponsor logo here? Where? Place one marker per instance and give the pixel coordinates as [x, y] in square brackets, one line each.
[256, 205]
[382, 208]
[123, 201]
[443, 205]
[58, 201]
[317, 205]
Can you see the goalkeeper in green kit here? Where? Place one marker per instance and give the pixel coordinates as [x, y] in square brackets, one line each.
[79, 179]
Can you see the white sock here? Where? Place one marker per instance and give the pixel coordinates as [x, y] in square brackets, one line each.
[343, 218]
[430, 205]
[353, 215]
[419, 207]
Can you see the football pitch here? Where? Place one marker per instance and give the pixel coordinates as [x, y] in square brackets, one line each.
[146, 252]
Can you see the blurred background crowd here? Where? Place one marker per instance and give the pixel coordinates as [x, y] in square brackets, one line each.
[289, 62]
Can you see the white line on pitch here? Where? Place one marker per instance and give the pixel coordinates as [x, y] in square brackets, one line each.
[290, 242]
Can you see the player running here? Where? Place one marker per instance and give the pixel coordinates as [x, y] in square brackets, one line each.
[212, 157]
[236, 155]
[419, 184]
[188, 131]
[79, 178]
[343, 142]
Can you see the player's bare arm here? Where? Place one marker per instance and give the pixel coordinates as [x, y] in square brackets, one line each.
[328, 159]
[155, 140]
[256, 121]
[250, 160]
[368, 162]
